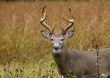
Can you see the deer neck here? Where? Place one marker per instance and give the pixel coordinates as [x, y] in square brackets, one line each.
[59, 59]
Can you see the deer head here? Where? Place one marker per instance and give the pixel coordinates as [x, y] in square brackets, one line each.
[56, 39]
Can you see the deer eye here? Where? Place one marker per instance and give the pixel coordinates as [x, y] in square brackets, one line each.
[62, 39]
[51, 39]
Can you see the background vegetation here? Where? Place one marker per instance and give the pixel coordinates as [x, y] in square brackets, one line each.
[23, 51]
[45, 0]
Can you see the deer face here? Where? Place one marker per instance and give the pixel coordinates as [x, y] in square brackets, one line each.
[57, 42]
[56, 39]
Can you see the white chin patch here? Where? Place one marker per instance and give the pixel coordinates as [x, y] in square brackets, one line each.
[104, 76]
[56, 51]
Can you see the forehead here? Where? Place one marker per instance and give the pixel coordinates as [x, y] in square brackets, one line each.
[57, 35]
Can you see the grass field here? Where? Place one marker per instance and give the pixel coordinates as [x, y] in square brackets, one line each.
[23, 51]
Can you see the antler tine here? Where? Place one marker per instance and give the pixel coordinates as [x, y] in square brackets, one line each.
[71, 21]
[42, 21]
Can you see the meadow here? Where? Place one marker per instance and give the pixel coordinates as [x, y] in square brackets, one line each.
[24, 53]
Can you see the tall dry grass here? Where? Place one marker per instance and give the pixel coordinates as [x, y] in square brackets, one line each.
[20, 37]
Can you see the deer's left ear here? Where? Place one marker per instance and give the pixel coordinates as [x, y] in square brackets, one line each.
[69, 34]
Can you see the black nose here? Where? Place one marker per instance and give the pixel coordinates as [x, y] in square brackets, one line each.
[56, 48]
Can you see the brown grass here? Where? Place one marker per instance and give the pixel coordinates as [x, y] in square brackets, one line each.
[20, 37]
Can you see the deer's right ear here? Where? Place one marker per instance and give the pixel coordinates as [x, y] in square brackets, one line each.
[45, 34]
[69, 34]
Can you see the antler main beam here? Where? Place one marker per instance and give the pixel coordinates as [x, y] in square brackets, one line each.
[71, 21]
[43, 23]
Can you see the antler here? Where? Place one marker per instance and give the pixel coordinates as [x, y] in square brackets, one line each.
[71, 21]
[43, 23]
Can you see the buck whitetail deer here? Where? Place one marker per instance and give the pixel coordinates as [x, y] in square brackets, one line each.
[72, 61]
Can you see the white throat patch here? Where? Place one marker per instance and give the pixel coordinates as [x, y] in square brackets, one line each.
[62, 76]
[56, 51]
